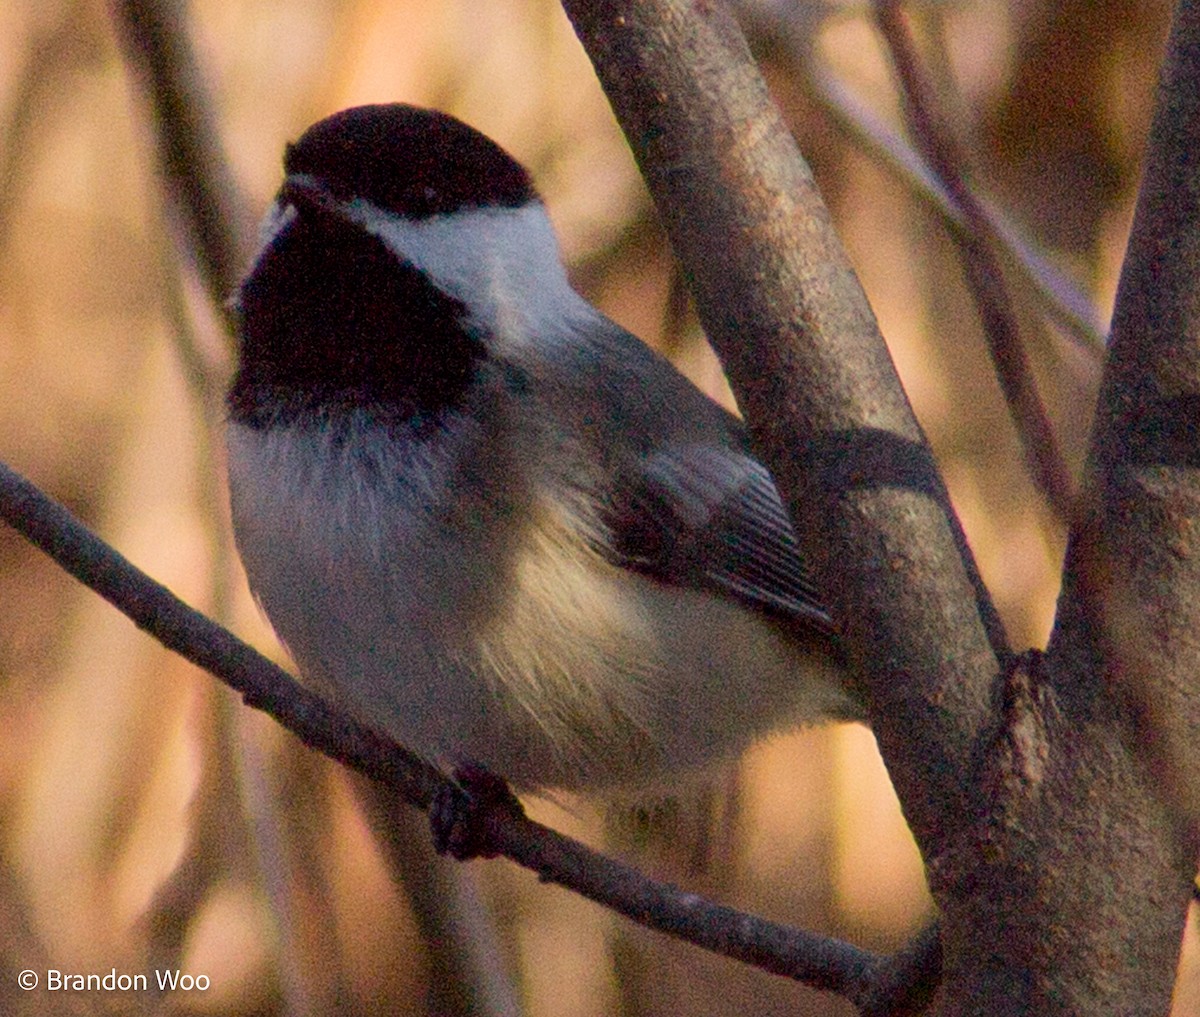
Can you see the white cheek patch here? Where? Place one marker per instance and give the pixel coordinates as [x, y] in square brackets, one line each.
[502, 263]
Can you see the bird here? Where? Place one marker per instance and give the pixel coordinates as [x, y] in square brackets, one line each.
[484, 519]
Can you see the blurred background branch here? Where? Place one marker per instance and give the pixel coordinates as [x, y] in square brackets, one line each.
[201, 189]
[929, 125]
[781, 28]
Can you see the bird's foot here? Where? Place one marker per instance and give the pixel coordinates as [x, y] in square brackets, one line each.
[465, 813]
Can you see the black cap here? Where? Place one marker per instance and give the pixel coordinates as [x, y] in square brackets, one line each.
[416, 162]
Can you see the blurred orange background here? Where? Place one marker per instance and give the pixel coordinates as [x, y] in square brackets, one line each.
[149, 821]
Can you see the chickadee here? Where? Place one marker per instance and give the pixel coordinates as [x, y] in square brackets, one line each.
[483, 518]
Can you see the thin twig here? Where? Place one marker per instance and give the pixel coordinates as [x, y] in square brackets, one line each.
[907, 981]
[788, 29]
[982, 270]
[200, 185]
[1064, 302]
[819, 961]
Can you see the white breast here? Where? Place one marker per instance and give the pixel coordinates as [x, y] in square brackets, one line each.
[496, 633]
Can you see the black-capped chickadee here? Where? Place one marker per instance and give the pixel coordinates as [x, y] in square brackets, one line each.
[484, 519]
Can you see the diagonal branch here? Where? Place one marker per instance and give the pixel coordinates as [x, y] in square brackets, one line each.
[787, 29]
[980, 265]
[1063, 301]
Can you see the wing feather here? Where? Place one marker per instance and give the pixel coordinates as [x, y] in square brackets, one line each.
[705, 516]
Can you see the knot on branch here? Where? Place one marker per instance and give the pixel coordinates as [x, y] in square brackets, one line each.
[1013, 766]
[1021, 746]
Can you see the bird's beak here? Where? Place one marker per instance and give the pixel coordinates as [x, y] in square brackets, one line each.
[310, 197]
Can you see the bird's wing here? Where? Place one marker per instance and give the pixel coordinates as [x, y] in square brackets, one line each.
[691, 506]
[710, 517]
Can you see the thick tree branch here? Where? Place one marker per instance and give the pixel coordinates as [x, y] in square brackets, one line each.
[1080, 887]
[821, 962]
[1130, 609]
[1136, 554]
[785, 312]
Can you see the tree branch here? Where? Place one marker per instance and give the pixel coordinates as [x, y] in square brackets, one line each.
[1133, 570]
[1082, 891]
[1130, 606]
[782, 307]
[200, 186]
